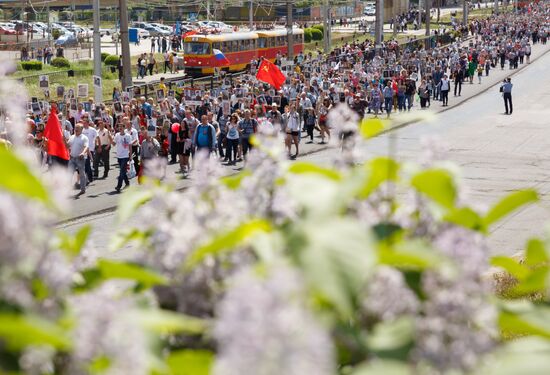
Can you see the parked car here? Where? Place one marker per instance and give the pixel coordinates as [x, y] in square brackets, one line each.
[370, 11]
[155, 31]
[143, 34]
[67, 40]
[7, 31]
[167, 28]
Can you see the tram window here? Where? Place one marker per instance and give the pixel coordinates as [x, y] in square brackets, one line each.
[196, 48]
[216, 45]
[261, 42]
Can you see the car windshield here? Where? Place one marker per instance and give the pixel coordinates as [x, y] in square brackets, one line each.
[196, 48]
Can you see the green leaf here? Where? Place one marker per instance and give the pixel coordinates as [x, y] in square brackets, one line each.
[380, 170]
[383, 367]
[72, 245]
[336, 256]
[190, 362]
[527, 356]
[301, 167]
[409, 255]
[371, 128]
[535, 282]
[168, 322]
[436, 184]
[532, 320]
[234, 181]
[465, 217]
[19, 331]
[124, 237]
[130, 202]
[17, 178]
[509, 204]
[227, 241]
[110, 269]
[515, 269]
[391, 335]
[535, 254]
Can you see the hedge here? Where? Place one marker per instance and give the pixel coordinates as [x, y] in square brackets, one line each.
[111, 60]
[61, 62]
[316, 34]
[319, 27]
[307, 35]
[31, 65]
[104, 56]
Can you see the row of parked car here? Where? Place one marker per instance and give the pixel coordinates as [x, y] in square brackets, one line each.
[68, 33]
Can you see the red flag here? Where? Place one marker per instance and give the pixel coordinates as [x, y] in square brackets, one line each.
[56, 144]
[269, 73]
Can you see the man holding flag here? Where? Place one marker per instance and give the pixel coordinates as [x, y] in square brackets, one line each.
[56, 147]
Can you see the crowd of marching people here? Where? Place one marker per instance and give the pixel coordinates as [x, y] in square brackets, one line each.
[222, 121]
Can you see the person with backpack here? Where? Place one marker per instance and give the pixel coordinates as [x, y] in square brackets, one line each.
[247, 127]
[204, 138]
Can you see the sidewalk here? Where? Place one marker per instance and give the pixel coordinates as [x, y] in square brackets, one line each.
[99, 196]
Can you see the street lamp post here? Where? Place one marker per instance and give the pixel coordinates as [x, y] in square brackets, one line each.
[465, 12]
[98, 94]
[289, 26]
[327, 26]
[379, 26]
[428, 4]
[125, 46]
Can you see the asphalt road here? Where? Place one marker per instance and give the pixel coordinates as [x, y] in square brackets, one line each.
[497, 154]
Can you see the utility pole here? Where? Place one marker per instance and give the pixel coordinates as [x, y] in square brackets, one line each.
[379, 26]
[251, 15]
[326, 26]
[495, 5]
[465, 12]
[49, 26]
[125, 44]
[98, 94]
[428, 5]
[208, 10]
[289, 29]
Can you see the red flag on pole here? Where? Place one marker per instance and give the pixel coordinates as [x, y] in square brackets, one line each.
[56, 144]
[270, 73]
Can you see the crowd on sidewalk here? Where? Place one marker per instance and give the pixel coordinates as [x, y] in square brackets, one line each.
[177, 124]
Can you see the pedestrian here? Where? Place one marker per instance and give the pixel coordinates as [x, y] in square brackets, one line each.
[205, 136]
[479, 73]
[91, 133]
[388, 98]
[248, 127]
[445, 86]
[232, 139]
[78, 148]
[104, 140]
[506, 90]
[123, 143]
[292, 130]
[149, 147]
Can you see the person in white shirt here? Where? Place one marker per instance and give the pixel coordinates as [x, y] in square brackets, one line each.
[103, 149]
[91, 133]
[133, 133]
[445, 86]
[292, 130]
[78, 147]
[123, 143]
